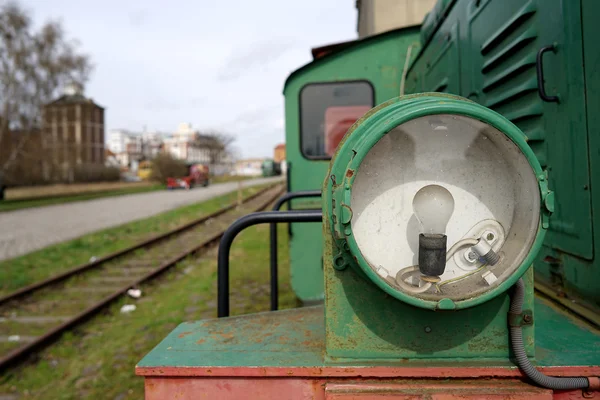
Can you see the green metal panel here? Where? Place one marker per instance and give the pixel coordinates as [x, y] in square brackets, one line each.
[296, 338]
[306, 265]
[570, 273]
[499, 40]
[363, 322]
[433, 18]
[378, 60]
[505, 38]
[441, 59]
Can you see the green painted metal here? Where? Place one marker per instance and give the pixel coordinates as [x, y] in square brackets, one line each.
[366, 133]
[379, 325]
[433, 18]
[364, 324]
[486, 51]
[576, 275]
[296, 338]
[270, 168]
[378, 60]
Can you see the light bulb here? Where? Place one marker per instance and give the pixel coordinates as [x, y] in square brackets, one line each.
[433, 206]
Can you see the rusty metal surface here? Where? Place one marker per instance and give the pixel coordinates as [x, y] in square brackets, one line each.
[81, 312]
[292, 343]
[284, 338]
[436, 390]
[319, 388]
[233, 389]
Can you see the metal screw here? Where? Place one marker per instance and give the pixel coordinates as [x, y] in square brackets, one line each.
[472, 256]
[490, 236]
[427, 329]
[527, 318]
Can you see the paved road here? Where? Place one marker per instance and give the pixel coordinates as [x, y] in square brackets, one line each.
[26, 230]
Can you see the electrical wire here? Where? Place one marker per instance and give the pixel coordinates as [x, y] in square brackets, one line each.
[414, 268]
[400, 276]
[459, 245]
[458, 278]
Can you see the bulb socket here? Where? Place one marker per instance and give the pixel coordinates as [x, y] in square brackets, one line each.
[432, 254]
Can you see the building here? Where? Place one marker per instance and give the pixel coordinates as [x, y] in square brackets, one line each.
[132, 147]
[279, 153]
[193, 147]
[248, 167]
[72, 134]
[186, 144]
[125, 145]
[376, 16]
[183, 145]
[110, 159]
[116, 140]
[152, 144]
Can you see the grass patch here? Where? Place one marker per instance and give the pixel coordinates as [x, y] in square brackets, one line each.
[97, 361]
[17, 204]
[38, 265]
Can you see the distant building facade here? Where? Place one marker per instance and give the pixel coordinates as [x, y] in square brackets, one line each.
[72, 134]
[249, 167]
[279, 153]
[191, 146]
[185, 144]
[125, 145]
[132, 147]
[377, 16]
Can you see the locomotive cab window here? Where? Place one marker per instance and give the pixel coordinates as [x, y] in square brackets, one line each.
[327, 110]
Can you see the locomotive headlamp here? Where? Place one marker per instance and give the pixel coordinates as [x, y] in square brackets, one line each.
[433, 205]
[438, 200]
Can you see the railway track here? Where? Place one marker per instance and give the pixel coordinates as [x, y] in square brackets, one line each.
[36, 315]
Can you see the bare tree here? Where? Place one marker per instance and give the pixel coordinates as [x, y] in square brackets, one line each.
[34, 66]
[219, 145]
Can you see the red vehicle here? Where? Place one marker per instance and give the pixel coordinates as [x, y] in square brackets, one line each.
[198, 175]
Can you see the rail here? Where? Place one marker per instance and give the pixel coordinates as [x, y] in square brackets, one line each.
[256, 218]
[144, 273]
[26, 290]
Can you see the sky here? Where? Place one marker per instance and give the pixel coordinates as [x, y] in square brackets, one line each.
[217, 64]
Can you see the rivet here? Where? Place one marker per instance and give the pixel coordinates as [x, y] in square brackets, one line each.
[427, 329]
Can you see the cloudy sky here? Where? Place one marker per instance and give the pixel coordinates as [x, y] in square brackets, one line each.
[217, 64]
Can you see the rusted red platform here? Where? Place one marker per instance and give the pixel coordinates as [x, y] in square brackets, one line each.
[279, 355]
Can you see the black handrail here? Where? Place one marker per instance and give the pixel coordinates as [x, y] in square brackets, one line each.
[539, 65]
[238, 226]
[273, 240]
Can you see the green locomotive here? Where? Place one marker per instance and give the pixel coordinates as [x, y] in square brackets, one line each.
[270, 168]
[531, 61]
[450, 158]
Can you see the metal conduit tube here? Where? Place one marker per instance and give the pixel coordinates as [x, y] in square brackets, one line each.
[516, 339]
